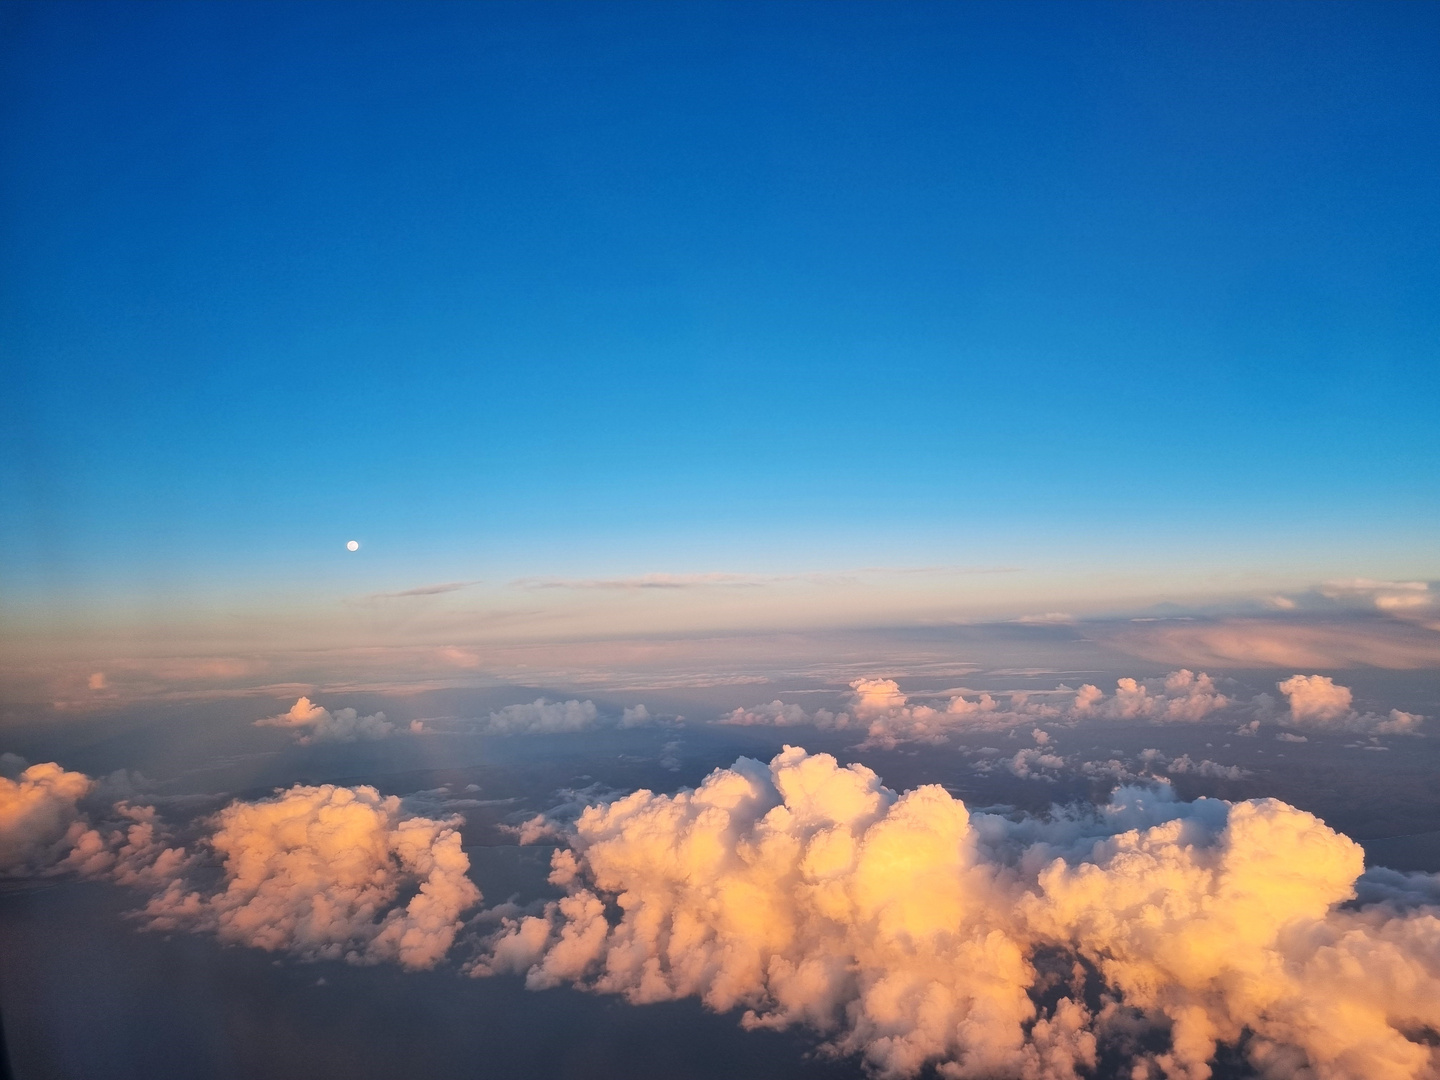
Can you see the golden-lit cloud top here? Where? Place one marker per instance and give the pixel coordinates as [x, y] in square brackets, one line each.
[910, 931]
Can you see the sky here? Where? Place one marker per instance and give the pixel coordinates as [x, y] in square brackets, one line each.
[645, 540]
[1125, 301]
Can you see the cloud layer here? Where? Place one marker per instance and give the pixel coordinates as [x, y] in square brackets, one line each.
[911, 932]
[888, 717]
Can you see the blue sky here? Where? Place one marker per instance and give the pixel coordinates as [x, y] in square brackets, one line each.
[508, 290]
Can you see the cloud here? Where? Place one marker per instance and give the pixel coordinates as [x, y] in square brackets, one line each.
[46, 827]
[541, 717]
[1283, 643]
[423, 590]
[1183, 695]
[651, 581]
[888, 716]
[312, 724]
[1396, 597]
[329, 873]
[1318, 701]
[40, 818]
[911, 932]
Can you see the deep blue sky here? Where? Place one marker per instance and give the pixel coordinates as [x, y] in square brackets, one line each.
[689, 287]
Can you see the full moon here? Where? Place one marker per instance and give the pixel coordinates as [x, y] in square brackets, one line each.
[353, 545]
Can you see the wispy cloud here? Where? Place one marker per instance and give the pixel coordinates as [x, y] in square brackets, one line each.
[720, 579]
[650, 581]
[424, 590]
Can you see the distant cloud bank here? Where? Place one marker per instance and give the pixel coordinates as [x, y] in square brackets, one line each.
[888, 717]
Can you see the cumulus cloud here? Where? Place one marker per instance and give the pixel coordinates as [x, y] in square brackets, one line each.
[311, 723]
[46, 827]
[329, 873]
[914, 933]
[1183, 695]
[889, 717]
[541, 717]
[40, 818]
[1318, 701]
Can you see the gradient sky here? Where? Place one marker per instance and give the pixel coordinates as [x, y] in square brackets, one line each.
[506, 291]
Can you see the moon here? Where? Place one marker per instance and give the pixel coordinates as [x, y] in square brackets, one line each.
[353, 545]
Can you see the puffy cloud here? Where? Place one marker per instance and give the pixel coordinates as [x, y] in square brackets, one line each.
[888, 717]
[46, 829]
[542, 717]
[636, 716]
[1186, 764]
[1318, 701]
[1183, 695]
[329, 873]
[313, 724]
[40, 818]
[912, 932]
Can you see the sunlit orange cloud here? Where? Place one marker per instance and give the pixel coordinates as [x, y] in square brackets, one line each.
[910, 931]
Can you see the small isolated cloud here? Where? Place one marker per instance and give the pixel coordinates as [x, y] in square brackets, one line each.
[1184, 764]
[329, 873]
[541, 717]
[96, 681]
[636, 716]
[1317, 701]
[1047, 618]
[423, 590]
[310, 723]
[926, 938]
[650, 581]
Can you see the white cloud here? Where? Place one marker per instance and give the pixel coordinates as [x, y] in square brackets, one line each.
[329, 873]
[542, 717]
[909, 931]
[311, 723]
[1183, 695]
[636, 716]
[1317, 701]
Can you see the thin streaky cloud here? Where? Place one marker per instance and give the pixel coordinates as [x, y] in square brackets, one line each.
[731, 580]
[424, 590]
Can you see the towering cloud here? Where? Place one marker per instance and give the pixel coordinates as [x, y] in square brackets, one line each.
[329, 873]
[910, 931]
[313, 724]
